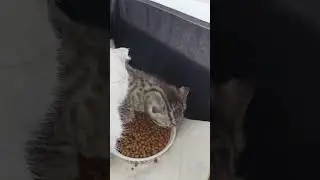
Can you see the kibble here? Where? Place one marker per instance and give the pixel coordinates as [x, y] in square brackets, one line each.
[143, 138]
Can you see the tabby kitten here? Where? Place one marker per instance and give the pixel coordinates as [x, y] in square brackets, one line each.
[78, 121]
[164, 103]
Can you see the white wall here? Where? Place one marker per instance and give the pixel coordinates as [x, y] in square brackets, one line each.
[197, 8]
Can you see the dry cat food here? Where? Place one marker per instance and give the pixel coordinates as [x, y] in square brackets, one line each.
[142, 138]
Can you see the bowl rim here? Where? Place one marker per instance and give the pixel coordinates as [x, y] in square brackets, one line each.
[150, 158]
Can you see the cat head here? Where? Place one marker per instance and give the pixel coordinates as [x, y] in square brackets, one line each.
[167, 109]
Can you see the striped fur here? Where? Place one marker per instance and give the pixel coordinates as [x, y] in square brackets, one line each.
[82, 95]
[164, 103]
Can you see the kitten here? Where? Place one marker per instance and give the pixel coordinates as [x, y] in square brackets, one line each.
[164, 103]
[77, 121]
[75, 124]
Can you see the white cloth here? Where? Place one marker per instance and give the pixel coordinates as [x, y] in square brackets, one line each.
[118, 90]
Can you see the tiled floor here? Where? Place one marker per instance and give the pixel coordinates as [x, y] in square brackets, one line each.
[27, 77]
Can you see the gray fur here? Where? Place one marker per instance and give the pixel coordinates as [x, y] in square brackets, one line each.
[77, 122]
[229, 105]
[164, 103]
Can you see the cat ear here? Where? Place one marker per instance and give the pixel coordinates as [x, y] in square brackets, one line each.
[184, 91]
[156, 112]
[158, 116]
[154, 103]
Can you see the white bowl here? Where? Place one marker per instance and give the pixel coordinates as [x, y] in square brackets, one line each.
[130, 159]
